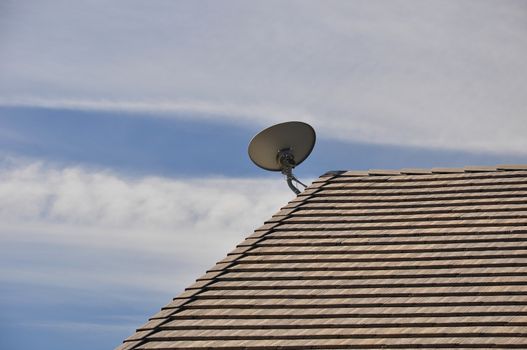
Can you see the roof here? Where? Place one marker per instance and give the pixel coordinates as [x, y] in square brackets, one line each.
[404, 259]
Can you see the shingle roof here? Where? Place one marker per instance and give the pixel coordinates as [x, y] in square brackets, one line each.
[406, 259]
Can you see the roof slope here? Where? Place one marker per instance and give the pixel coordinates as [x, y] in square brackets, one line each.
[368, 260]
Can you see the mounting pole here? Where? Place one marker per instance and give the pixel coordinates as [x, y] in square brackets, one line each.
[287, 163]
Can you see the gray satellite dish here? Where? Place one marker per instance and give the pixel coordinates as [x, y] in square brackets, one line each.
[282, 147]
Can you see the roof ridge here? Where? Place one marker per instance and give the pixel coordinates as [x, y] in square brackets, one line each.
[427, 171]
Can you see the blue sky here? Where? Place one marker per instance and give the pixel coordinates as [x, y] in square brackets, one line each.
[124, 128]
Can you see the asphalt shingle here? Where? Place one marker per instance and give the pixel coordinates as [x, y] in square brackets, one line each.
[383, 259]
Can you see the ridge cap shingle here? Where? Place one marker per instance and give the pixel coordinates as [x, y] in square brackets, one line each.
[426, 171]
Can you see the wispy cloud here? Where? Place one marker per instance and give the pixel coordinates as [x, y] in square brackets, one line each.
[141, 231]
[435, 74]
[167, 108]
[87, 251]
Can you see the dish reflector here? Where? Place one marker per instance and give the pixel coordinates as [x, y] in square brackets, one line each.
[295, 138]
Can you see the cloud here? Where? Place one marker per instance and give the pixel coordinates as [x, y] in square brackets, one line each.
[430, 74]
[78, 228]
[166, 108]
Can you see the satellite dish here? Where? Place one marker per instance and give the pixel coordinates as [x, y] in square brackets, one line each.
[282, 147]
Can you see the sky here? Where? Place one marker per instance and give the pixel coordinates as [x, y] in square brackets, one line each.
[124, 128]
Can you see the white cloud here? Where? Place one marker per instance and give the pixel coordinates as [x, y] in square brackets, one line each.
[72, 227]
[420, 73]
